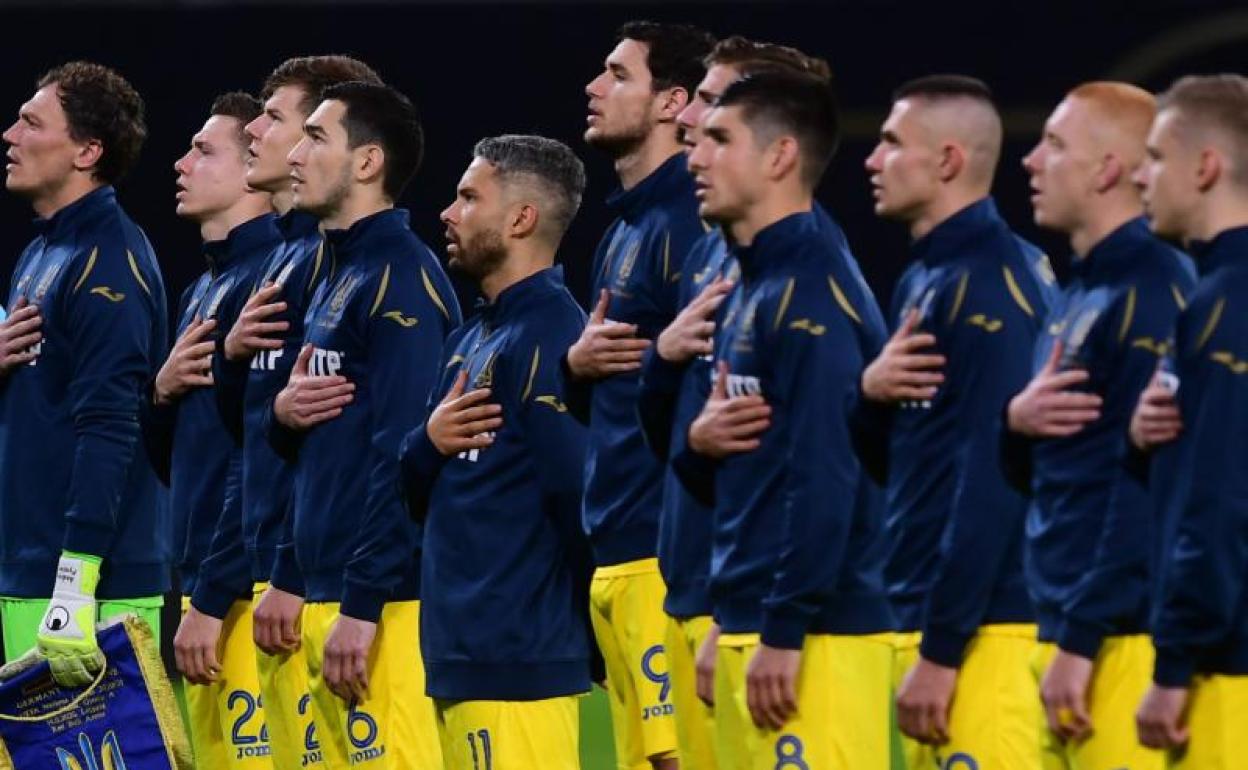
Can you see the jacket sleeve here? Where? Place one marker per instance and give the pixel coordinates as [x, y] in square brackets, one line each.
[1204, 568]
[419, 460]
[286, 574]
[402, 368]
[816, 372]
[113, 318]
[157, 423]
[656, 401]
[988, 340]
[1117, 581]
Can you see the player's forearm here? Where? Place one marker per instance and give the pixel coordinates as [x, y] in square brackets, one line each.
[102, 459]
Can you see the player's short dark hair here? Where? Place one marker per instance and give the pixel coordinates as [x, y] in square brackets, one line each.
[313, 74]
[750, 57]
[945, 86]
[241, 106]
[674, 52]
[551, 165]
[1219, 103]
[378, 114]
[775, 104]
[100, 104]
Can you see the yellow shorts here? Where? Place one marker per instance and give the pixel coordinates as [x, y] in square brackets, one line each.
[395, 728]
[1217, 716]
[695, 724]
[288, 710]
[227, 720]
[1121, 675]
[842, 718]
[510, 735]
[995, 718]
[626, 606]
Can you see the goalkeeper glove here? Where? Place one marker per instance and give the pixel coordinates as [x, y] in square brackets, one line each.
[67, 634]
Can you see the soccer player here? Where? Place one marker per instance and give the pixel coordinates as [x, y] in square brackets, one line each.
[81, 513]
[646, 81]
[675, 382]
[1087, 531]
[495, 472]
[372, 341]
[190, 446]
[1196, 189]
[805, 653]
[252, 363]
[965, 318]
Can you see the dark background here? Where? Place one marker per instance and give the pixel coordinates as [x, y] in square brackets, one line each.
[478, 69]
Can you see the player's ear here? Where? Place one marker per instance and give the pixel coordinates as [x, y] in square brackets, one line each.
[88, 155]
[523, 220]
[1208, 168]
[1109, 172]
[369, 162]
[952, 161]
[671, 102]
[783, 157]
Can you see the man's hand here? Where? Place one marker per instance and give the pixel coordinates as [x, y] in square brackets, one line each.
[1047, 408]
[1160, 720]
[275, 621]
[605, 347]
[1156, 419]
[726, 425]
[346, 658]
[19, 333]
[463, 421]
[704, 666]
[309, 400]
[195, 647]
[771, 686]
[189, 364]
[901, 372]
[923, 702]
[67, 632]
[252, 329]
[692, 331]
[1065, 695]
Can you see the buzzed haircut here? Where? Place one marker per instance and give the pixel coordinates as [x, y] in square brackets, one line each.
[549, 165]
[775, 104]
[947, 86]
[378, 114]
[976, 125]
[674, 52]
[100, 104]
[313, 74]
[749, 57]
[1217, 103]
[241, 106]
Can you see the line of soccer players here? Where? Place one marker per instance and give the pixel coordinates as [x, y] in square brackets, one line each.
[407, 541]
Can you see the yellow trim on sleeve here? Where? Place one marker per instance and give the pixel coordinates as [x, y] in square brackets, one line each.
[381, 291]
[784, 303]
[1214, 318]
[959, 297]
[1016, 292]
[87, 270]
[843, 301]
[134, 268]
[1178, 297]
[433, 294]
[528, 388]
[1128, 315]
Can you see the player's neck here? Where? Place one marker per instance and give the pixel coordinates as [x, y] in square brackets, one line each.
[74, 187]
[514, 269]
[219, 226]
[942, 208]
[1102, 219]
[767, 212]
[360, 202]
[283, 201]
[635, 166]
[1220, 214]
